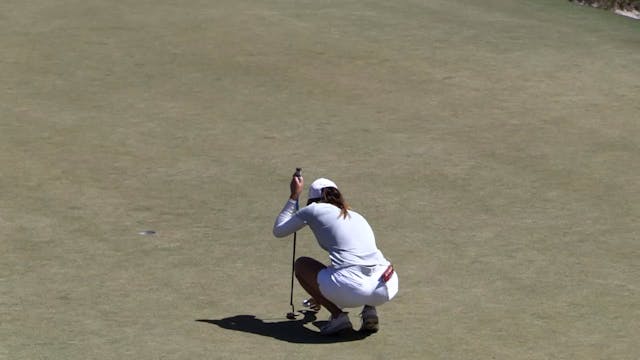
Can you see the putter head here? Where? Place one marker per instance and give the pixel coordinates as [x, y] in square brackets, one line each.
[291, 315]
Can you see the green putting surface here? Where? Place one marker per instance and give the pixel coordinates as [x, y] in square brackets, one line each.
[493, 146]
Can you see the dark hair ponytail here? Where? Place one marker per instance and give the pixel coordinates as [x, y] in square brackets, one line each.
[333, 196]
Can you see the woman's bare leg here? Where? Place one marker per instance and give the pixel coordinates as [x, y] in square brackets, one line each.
[306, 270]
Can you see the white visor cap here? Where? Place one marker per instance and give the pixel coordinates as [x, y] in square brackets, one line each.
[315, 190]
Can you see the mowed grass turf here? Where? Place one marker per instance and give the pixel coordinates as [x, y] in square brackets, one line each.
[492, 145]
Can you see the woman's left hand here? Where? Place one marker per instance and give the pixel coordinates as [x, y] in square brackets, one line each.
[297, 183]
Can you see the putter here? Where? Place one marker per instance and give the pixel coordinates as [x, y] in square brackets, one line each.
[292, 315]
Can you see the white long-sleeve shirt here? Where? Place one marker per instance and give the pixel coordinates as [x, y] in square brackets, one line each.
[348, 241]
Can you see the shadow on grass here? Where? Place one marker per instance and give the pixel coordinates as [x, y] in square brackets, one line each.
[292, 331]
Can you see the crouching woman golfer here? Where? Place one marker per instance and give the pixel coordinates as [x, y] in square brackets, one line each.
[359, 275]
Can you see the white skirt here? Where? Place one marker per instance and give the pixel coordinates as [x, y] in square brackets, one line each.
[356, 286]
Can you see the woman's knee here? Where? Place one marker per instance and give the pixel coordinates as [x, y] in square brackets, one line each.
[302, 260]
[304, 265]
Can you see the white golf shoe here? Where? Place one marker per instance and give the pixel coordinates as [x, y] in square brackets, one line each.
[311, 304]
[369, 319]
[337, 324]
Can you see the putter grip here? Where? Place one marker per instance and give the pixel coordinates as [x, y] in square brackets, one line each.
[298, 172]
